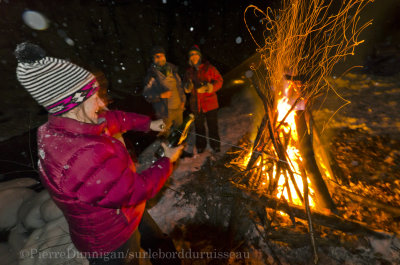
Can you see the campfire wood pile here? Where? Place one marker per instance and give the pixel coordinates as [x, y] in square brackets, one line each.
[286, 166]
[304, 41]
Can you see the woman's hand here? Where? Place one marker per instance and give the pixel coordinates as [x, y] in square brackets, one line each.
[208, 88]
[166, 94]
[173, 153]
[157, 125]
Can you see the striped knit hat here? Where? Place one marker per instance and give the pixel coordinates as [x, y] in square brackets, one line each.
[56, 84]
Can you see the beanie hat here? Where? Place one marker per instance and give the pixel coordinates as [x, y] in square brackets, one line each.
[56, 84]
[195, 48]
[157, 49]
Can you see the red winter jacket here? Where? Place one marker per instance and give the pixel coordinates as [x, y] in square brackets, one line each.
[93, 180]
[206, 73]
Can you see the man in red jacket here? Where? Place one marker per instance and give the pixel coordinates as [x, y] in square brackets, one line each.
[202, 81]
[88, 173]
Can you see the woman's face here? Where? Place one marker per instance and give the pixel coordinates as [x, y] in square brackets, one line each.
[91, 107]
[194, 58]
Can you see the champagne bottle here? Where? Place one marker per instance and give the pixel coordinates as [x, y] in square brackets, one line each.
[178, 135]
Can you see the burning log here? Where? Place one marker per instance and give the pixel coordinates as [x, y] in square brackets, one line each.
[310, 163]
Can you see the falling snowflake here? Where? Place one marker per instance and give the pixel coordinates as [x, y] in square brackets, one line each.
[69, 41]
[238, 40]
[35, 20]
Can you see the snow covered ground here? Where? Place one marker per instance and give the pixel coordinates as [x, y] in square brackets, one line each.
[234, 122]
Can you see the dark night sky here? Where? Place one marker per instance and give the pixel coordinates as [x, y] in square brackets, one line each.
[115, 37]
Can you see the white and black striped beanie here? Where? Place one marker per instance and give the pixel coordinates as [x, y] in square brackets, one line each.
[56, 84]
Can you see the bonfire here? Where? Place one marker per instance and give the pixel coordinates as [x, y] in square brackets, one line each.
[286, 161]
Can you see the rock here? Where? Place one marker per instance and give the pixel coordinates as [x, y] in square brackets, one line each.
[18, 183]
[10, 202]
[29, 213]
[18, 237]
[49, 211]
[7, 255]
[51, 245]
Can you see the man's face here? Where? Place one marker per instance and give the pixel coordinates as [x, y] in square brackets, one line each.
[194, 57]
[159, 59]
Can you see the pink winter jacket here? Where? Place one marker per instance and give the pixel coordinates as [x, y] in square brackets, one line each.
[93, 180]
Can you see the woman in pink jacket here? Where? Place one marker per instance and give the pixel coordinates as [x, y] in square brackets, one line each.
[89, 173]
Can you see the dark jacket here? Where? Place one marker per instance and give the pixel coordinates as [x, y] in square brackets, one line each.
[206, 73]
[153, 89]
[91, 177]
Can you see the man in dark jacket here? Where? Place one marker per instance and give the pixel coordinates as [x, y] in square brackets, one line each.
[163, 88]
[202, 81]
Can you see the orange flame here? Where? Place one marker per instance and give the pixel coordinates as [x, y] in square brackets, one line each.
[284, 105]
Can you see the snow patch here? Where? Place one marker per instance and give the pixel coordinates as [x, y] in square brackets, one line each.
[42, 154]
